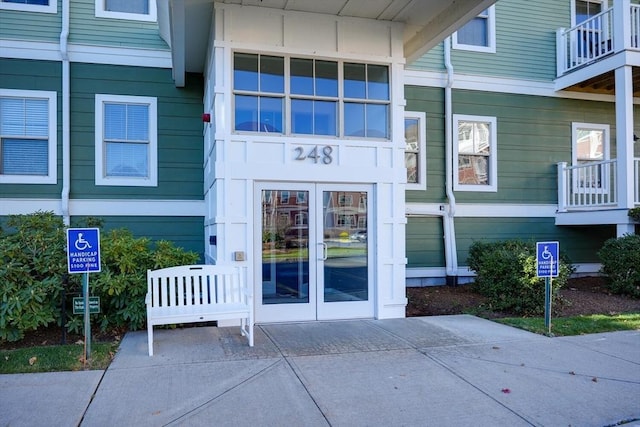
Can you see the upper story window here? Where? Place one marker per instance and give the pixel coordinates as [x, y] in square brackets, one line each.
[479, 34]
[475, 149]
[126, 141]
[303, 96]
[45, 6]
[28, 143]
[136, 10]
[415, 150]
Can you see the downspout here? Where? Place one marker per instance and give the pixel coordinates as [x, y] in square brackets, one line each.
[66, 131]
[450, 250]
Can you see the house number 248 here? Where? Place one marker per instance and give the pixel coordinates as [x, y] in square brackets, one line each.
[316, 153]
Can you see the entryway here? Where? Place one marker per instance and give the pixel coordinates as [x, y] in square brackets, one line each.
[313, 252]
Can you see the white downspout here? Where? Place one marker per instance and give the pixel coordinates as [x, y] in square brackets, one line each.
[66, 131]
[450, 250]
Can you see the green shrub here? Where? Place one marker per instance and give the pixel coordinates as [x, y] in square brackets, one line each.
[122, 283]
[621, 264]
[506, 275]
[32, 263]
[634, 214]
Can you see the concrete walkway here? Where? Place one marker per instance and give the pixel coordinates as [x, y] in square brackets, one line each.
[429, 371]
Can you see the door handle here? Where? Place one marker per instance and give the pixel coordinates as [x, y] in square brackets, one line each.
[324, 251]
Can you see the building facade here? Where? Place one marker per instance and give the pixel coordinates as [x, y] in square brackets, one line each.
[336, 151]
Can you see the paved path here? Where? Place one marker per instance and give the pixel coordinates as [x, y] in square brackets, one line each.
[429, 371]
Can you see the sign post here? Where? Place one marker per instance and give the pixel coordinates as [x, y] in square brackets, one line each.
[547, 255]
[83, 256]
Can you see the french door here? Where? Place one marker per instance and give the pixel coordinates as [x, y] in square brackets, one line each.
[313, 252]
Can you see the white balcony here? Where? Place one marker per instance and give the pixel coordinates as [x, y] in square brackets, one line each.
[590, 193]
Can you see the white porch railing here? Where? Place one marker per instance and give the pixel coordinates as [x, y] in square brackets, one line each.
[592, 185]
[598, 37]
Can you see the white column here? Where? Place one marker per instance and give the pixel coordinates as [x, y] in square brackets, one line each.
[624, 143]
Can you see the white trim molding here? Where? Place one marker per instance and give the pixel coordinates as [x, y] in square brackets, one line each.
[52, 7]
[106, 207]
[152, 16]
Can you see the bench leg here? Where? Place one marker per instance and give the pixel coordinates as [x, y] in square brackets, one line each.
[150, 338]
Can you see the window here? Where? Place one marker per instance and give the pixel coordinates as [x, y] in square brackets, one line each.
[479, 34]
[284, 197]
[45, 6]
[591, 146]
[28, 137]
[585, 9]
[474, 148]
[301, 197]
[126, 140]
[314, 101]
[137, 10]
[415, 150]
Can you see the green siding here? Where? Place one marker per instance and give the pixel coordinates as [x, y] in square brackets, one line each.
[534, 134]
[23, 74]
[580, 243]
[525, 43]
[184, 232]
[87, 29]
[424, 242]
[180, 146]
[32, 26]
[430, 61]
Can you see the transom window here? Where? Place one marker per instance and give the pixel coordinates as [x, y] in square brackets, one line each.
[45, 6]
[27, 137]
[303, 96]
[475, 150]
[126, 140]
[479, 34]
[137, 10]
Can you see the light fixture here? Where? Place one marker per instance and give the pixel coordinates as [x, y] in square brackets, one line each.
[206, 117]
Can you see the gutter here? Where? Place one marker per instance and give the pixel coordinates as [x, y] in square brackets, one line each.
[66, 131]
[451, 257]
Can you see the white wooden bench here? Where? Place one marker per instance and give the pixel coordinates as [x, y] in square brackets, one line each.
[198, 293]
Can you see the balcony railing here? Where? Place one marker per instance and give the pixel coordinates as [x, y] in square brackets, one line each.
[599, 36]
[593, 185]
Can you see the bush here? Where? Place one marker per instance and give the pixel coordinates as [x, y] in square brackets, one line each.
[506, 275]
[122, 283]
[621, 264]
[32, 264]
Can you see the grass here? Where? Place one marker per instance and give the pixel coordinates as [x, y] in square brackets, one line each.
[56, 358]
[578, 325]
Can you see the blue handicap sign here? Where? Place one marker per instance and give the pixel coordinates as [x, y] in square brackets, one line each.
[547, 254]
[83, 250]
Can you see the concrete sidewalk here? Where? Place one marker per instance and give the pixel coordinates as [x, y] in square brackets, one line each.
[439, 371]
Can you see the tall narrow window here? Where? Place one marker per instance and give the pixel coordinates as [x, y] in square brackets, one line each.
[314, 97]
[27, 137]
[479, 34]
[126, 140]
[591, 151]
[475, 150]
[415, 150]
[366, 105]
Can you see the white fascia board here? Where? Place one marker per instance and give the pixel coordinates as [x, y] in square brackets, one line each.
[500, 85]
[104, 207]
[46, 51]
[479, 210]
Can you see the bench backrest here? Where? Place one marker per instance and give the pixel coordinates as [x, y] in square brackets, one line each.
[194, 285]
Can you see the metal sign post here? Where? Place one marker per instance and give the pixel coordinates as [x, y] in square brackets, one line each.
[83, 256]
[547, 267]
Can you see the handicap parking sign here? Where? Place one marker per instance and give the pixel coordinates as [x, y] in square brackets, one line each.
[547, 258]
[83, 250]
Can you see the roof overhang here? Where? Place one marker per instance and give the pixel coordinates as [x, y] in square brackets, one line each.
[186, 24]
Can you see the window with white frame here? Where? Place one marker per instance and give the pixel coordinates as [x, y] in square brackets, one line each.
[475, 153]
[126, 140]
[415, 150]
[320, 97]
[28, 137]
[44, 6]
[479, 34]
[136, 10]
[591, 151]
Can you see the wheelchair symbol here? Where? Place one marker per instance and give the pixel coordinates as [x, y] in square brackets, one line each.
[546, 253]
[81, 244]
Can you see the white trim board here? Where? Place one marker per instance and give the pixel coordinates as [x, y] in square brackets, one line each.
[479, 210]
[106, 207]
